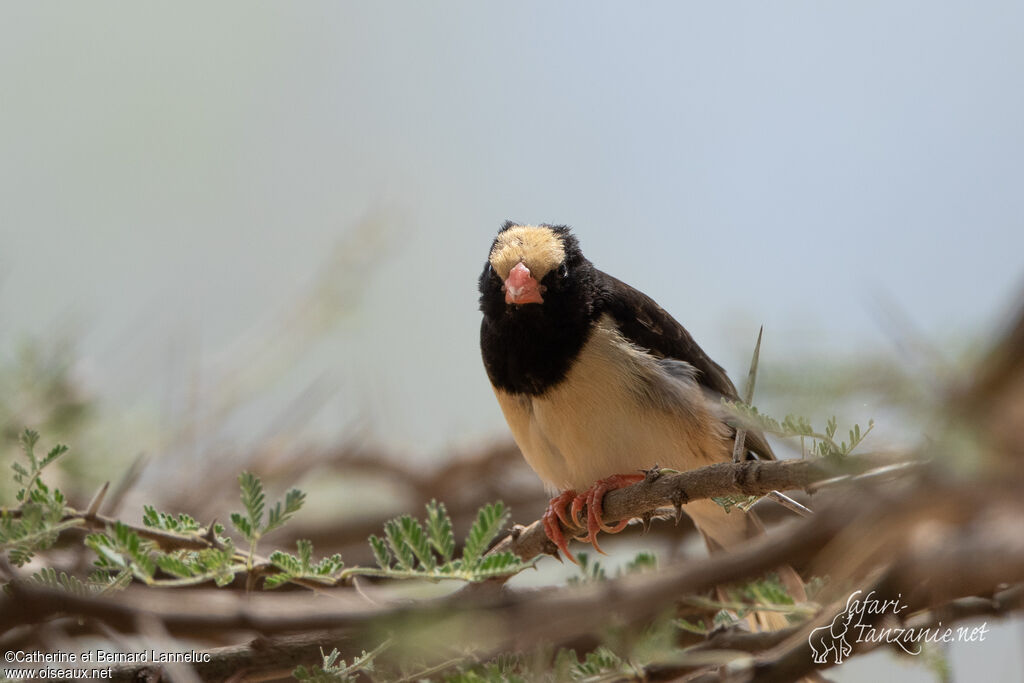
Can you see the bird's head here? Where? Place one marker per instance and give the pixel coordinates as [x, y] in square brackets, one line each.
[533, 267]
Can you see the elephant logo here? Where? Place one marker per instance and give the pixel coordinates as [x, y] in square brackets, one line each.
[832, 639]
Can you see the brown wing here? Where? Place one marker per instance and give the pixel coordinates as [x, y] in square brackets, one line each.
[643, 322]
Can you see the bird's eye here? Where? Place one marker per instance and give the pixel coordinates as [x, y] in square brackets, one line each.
[563, 270]
[490, 269]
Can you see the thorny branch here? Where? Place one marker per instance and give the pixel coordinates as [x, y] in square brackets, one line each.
[744, 479]
[521, 620]
[500, 621]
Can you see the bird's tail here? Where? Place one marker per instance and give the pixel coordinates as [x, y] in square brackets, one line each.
[723, 530]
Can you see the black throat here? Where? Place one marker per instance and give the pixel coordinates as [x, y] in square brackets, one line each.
[528, 349]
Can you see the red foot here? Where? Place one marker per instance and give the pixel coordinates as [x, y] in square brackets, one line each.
[556, 514]
[552, 518]
[593, 498]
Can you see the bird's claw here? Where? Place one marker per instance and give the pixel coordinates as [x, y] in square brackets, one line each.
[553, 519]
[592, 498]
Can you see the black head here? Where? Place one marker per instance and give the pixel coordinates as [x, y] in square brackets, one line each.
[537, 294]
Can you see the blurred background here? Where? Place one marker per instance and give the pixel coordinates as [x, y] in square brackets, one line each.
[247, 235]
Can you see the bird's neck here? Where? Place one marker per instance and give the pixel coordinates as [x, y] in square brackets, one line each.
[529, 351]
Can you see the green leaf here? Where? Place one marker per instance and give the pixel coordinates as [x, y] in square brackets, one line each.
[439, 529]
[243, 525]
[407, 549]
[489, 521]
[51, 457]
[253, 498]
[286, 562]
[599, 661]
[301, 567]
[182, 524]
[174, 566]
[293, 502]
[590, 570]
[767, 591]
[643, 562]
[685, 625]
[396, 542]
[416, 539]
[47, 576]
[497, 564]
[380, 552]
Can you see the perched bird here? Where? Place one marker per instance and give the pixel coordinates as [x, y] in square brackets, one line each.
[598, 382]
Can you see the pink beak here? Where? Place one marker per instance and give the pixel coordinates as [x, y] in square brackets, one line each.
[521, 287]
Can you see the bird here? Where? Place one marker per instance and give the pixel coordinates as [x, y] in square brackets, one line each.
[598, 382]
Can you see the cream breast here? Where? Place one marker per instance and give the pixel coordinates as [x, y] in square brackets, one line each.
[618, 410]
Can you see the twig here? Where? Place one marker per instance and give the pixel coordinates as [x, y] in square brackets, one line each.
[960, 563]
[751, 477]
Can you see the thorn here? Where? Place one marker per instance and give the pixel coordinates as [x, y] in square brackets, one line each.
[97, 501]
[211, 537]
[678, 499]
[516, 531]
[790, 504]
[646, 520]
[652, 474]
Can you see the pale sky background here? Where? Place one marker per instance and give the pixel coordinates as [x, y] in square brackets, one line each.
[174, 176]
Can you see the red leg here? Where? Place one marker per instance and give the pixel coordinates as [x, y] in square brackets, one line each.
[594, 496]
[553, 518]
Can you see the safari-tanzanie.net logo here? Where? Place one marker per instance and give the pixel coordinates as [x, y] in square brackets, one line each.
[864, 621]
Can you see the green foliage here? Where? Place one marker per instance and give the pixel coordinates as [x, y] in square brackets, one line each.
[505, 668]
[642, 562]
[767, 591]
[181, 524]
[410, 550]
[766, 594]
[38, 388]
[30, 477]
[333, 669]
[36, 522]
[121, 549]
[380, 552]
[489, 522]
[51, 579]
[439, 530]
[591, 570]
[250, 524]
[822, 443]
[741, 502]
[600, 664]
[687, 625]
[600, 661]
[301, 566]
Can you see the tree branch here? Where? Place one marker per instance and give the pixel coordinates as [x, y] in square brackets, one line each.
[749, 478]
